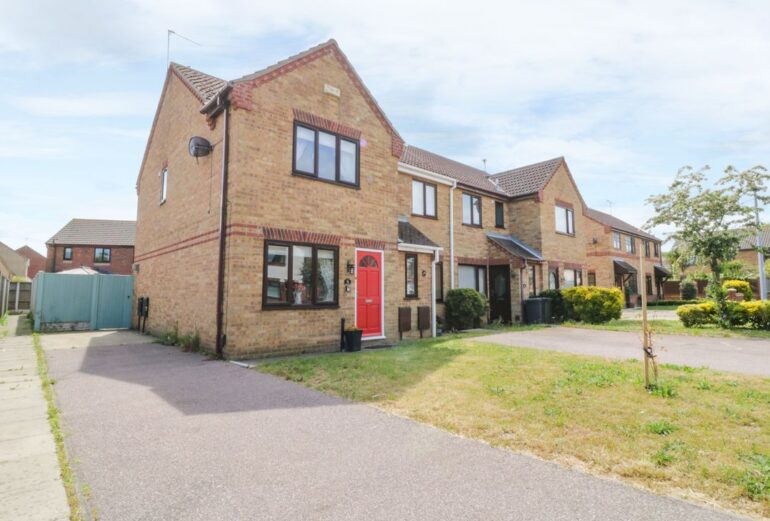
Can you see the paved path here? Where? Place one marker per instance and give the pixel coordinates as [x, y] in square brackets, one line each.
[30, 482]
[749, 355]
[164, 435]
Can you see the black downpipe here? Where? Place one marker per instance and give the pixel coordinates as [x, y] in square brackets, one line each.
[220, 344]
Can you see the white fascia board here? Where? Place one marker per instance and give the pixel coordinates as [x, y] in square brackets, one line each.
[426, 174]
[418, 248]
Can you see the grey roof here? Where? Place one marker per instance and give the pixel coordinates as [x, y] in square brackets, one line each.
[408, 234]
[618, 224]
[203, 85]
[748, 243]
[15, 262]
[529, 179]
[666, 272]
[515, 246]
[96, 232]
[467, 175]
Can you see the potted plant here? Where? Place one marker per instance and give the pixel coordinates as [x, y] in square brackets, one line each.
[352, 338]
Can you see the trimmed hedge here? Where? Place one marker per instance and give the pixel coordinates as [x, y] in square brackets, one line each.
[755, 313]
[701, 314]
[464, 307]
[592, 304]
[758, 313]
[741, 286]
[671, 303]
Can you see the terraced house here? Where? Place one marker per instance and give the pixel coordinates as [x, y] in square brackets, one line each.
[273, 207]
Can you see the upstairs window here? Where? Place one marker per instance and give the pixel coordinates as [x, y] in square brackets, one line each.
[325, 155]
[565, 220]
[656, 249]
[646, 248]
[499, 215]
[163, 185]
[102, 255]
[616, 240]
[471, 210]
[630, 244]
[423, 199]
[67, 253]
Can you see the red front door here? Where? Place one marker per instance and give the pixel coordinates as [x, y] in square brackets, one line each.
[369, 292]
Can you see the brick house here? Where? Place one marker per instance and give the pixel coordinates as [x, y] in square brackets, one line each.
[36, 260]
[104, 245]
[329, 216]
[614, 251]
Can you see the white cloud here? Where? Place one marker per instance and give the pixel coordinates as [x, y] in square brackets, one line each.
[88, 105]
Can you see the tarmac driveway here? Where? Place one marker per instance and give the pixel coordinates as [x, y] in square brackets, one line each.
[741, 355]
[160, 434]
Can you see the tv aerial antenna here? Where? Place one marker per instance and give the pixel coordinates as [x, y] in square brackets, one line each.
[168, 43]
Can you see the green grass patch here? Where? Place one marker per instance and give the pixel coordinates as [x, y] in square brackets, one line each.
[672, 327]
[689, 436]
[67, 475]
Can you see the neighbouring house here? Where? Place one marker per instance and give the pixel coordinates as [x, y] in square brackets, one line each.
[105, 245]
[36, 260]
[331, 217]
[747, 251]
[13, 273]
[615, 249]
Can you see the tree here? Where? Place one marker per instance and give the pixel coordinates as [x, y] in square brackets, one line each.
[711, 220]
[679, 259]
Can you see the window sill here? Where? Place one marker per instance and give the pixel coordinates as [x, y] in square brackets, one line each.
[328, 181]
[411, 297]
[101, 263]
[425, 216]
[566, 234]
[285, 307]
[472, 225]
[500, 227]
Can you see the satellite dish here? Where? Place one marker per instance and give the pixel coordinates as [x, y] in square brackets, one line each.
[199, 146]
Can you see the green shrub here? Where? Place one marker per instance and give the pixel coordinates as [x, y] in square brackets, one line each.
[593, 305]
[464, 307]
[190, 342]
[737, 314]
[558, 308]
[757, 313]
[689, 290]
[741, 286]
[701, 314]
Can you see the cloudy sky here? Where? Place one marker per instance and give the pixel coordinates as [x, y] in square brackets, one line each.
[627, 91]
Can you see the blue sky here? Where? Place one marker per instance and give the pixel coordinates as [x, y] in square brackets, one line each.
[627, 91]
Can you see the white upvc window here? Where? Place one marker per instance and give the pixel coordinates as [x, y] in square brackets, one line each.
[163, 185]
[565, 220]
[423, 198]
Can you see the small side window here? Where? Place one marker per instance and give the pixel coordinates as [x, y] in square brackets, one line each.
[67, 253]
[163, 185]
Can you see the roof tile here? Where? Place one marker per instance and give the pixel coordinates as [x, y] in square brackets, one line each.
[98, 232]
[529, 179]
[618, 224]
[467, 175]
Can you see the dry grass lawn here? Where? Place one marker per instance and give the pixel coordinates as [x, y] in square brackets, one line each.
[702, 434]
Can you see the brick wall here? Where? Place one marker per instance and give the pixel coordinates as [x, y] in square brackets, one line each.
[121, 259]
[176, 242]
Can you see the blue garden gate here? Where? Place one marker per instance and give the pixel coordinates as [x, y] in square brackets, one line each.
[80, 302]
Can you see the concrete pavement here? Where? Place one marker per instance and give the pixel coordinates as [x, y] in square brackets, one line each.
[741, 355]
[165, 435]
[30, 483]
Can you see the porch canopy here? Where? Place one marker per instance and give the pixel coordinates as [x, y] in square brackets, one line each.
[624, 268]
[515, 247]
[662, 272]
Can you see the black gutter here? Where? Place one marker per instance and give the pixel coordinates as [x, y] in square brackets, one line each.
[221, 337]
